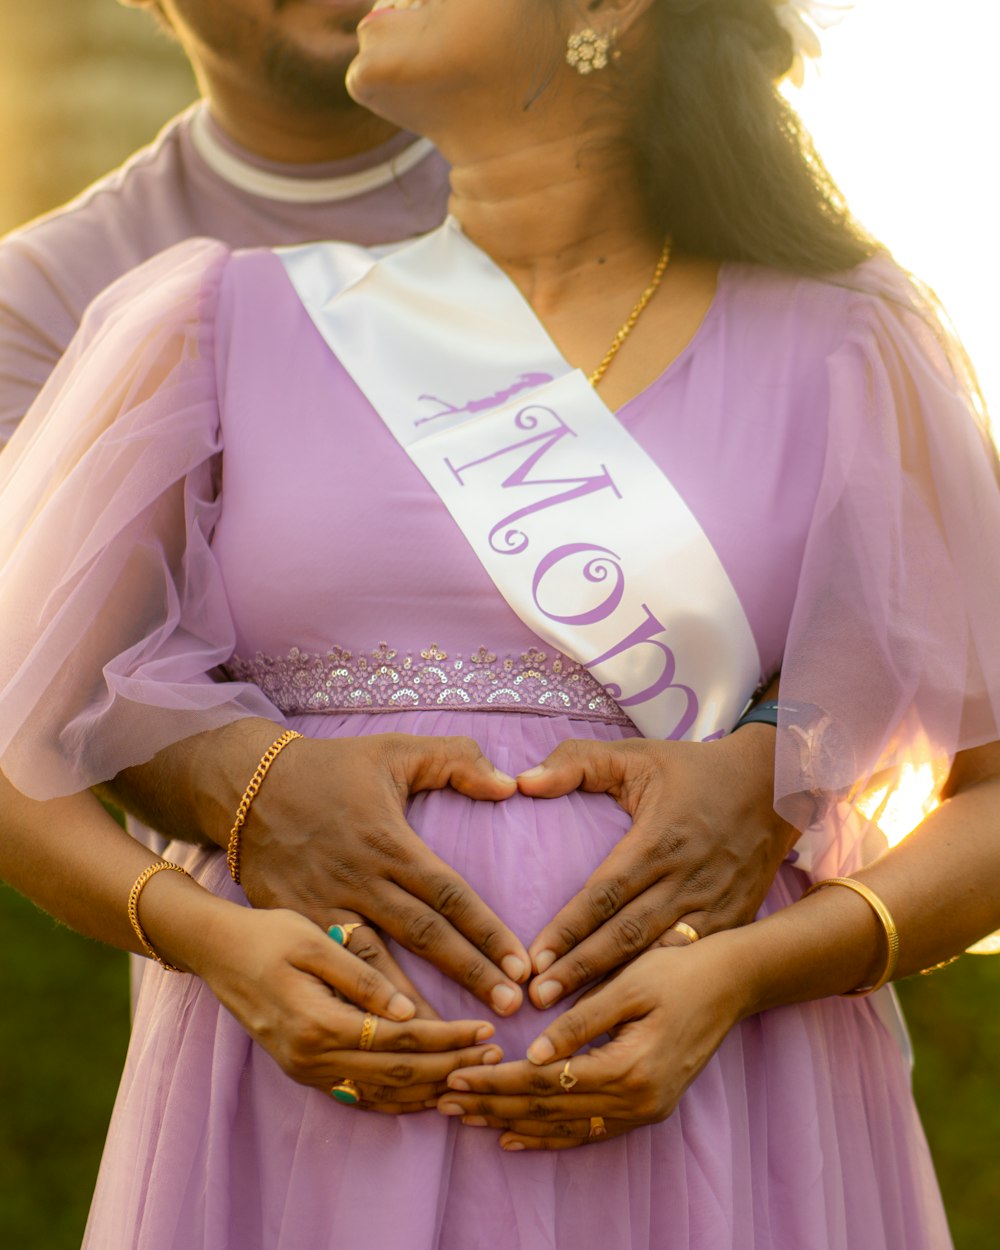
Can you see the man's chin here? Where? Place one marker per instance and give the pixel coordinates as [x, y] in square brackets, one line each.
[305, 80]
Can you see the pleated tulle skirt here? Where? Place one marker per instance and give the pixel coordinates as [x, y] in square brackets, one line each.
[800, 1134]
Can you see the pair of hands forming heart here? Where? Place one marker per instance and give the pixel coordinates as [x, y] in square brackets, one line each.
[328, 839]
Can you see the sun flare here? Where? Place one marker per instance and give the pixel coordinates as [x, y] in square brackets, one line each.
[905, 110]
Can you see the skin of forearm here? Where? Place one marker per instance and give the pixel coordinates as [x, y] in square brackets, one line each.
[940, 886]
[191, 790]
[73, 860]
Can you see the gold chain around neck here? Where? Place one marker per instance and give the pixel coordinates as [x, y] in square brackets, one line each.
[634, 315]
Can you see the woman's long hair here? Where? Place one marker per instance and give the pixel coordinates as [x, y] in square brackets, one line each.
[726, 166]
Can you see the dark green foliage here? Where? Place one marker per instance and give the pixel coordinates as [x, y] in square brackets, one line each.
[64, 1025]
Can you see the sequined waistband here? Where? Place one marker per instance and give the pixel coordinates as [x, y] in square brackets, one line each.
[386, 680]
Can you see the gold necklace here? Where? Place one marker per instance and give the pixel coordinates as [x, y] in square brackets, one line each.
[634, 315]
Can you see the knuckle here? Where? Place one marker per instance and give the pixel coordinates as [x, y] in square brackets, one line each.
[631, 935]
[449, 898]
[368, 950]
[579, 970]
[539, 1109]
[400, 1074]
[606, 898]
[636, 1082]
[700, 879]
[423, 932]
[567, 937]
[367, 980]
[472, 975]
[307, 1040]
[538, 1083]
[669, 845]
[406, 1042]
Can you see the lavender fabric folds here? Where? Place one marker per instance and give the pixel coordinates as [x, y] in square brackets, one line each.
[113, 613]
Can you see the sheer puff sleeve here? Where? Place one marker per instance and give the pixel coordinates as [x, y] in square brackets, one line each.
[892, 662]
[113, 613]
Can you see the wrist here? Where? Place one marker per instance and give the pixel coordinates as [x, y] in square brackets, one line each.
[180, 919]
[818, 947]
[223, 764]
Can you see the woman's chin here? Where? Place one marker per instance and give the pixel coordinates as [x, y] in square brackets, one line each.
[384, 89]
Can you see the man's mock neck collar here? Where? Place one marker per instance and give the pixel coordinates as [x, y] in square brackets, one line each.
[303, 184]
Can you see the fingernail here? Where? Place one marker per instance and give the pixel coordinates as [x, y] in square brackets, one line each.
[503, 998]
[474, 1121]
[450, 1108]
[548, 992]
[484, 1032]
[544, 960]
[531, 773]
[513, 967]
[512, 1145]
[504, 778]
[541, 1050]
[458, 1082]
[401, 1008]
[493, 1056]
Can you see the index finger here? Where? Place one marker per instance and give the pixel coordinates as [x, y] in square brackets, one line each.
[627, 872]
[365, 944]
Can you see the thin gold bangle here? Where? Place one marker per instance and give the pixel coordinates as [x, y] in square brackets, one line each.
[133, 909]
[886, 921]
[249, 794]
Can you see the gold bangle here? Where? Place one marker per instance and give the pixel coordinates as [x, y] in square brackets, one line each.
[249, 794]
[886, 921]
[133, 909]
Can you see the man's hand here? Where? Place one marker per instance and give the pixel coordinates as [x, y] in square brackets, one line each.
[327, 835]
[704, 847]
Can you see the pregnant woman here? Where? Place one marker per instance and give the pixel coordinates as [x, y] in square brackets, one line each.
[567, 481]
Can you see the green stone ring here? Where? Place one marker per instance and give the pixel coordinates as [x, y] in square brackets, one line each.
[341, 933]
[346, 1092]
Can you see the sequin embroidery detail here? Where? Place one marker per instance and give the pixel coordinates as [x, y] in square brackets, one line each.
[383, 680]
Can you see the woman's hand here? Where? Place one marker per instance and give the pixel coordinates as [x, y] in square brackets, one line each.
[666, 1013]
[704, 847]
[282, 978]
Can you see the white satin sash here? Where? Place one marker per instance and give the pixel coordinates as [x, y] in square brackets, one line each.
[582, 533]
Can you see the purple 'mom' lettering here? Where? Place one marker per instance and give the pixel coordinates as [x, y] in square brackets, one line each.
[513, 539]
[595, 570]
[646, 634]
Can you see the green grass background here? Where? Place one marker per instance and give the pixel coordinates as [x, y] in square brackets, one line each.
[64, 1030]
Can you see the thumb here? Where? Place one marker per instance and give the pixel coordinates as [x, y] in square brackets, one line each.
[575, 764]
[459, 763]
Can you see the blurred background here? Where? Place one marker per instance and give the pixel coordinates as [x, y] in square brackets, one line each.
[906, 113]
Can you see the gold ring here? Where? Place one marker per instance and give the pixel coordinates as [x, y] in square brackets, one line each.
[597, 1126]
[368, 1031]
[685, 930]
[347, 1092]
[566, 1078]
[341, 933]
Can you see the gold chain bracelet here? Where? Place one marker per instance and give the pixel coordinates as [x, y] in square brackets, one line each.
[886, 921]
[249, 794]
[162, 865]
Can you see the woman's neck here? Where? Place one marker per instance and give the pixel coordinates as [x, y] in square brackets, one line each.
[556, 217]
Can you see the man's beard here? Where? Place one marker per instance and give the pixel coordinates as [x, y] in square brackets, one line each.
[304, 82]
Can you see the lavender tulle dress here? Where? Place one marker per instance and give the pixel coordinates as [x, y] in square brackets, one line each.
[830, 457]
